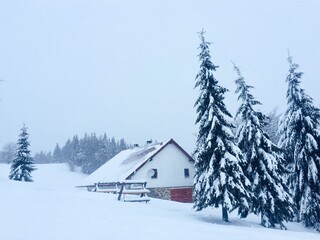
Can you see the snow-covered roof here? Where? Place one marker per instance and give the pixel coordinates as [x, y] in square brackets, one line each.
[120, 167]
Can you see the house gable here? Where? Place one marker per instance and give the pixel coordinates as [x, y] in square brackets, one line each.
[171, 141]
[170, 162]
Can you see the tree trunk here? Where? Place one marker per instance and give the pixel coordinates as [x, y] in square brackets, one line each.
[225, 214]
[262, 221]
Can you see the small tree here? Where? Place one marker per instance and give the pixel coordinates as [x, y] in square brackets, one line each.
[300, 137]
[22, 164]
[264, 161]
[219, 179]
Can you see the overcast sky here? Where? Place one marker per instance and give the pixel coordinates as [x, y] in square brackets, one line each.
[128, 68]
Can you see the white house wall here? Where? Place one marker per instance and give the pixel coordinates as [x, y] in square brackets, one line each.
[170, 163]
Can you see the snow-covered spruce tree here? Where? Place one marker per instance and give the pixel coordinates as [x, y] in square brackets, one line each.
[219, 179]
[272, 124]
[271, 198]
[22, 164]
[300, 137]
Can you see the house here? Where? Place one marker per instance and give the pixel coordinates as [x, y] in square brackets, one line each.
[166, 167]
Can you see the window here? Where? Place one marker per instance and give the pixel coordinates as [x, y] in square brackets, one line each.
[186, 173]
[153, 173]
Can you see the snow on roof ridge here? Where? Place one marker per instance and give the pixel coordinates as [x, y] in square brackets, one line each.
[152, 144]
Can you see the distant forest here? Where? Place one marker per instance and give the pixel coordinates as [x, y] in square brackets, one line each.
[81, 154]
[87, 154]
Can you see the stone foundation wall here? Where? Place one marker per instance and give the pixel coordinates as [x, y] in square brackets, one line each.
[161, 193]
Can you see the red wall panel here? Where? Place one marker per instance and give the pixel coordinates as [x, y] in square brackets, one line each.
[181, 195]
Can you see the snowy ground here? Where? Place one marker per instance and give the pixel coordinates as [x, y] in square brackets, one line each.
[51, 208]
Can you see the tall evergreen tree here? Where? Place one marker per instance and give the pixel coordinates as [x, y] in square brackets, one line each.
[22, 164]
[271, 198]
[90, 147]
[122, 145]
[300, 137]
[66, 152]
[272, 124]
[76, 154]
[219, 179]
[57, 153]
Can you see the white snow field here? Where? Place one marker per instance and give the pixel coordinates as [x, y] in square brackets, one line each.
[51, 208]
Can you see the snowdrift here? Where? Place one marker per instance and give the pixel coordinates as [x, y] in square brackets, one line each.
[52, 208]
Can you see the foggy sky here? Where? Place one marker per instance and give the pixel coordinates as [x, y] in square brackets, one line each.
[128, 68]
